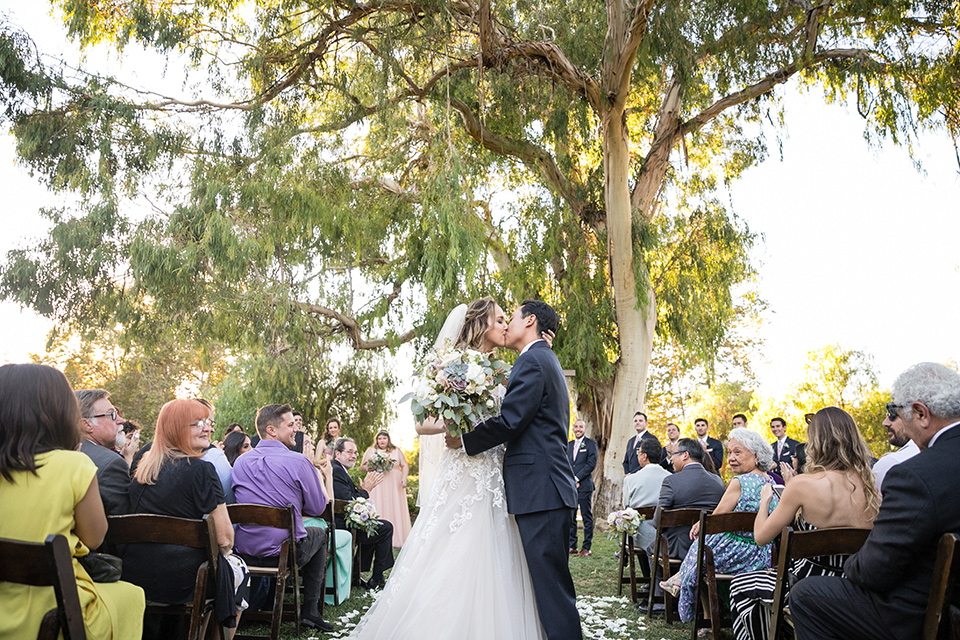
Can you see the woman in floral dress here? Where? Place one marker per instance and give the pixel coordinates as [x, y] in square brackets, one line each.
[750, 457]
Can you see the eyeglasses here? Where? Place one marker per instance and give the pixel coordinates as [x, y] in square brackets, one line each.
[675, 453]
[114, 413]
[206, 422]
[892, 410]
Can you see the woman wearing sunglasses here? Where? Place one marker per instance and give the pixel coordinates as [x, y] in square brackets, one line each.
[172, 480]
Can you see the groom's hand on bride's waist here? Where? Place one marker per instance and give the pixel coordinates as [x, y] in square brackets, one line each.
[453, 442]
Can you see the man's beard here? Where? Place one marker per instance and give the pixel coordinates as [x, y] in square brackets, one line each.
[898, 440]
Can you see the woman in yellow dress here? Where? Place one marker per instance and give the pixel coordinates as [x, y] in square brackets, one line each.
[48, 487]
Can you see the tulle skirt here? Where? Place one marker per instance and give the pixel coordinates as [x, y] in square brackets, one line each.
[462, 574]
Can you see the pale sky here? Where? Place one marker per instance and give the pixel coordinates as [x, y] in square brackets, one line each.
[857, 248]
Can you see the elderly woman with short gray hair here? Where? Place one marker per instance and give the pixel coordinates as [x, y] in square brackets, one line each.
[749, 456]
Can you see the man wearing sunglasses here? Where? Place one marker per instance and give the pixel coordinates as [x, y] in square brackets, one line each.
[102, 428]
[898, 438]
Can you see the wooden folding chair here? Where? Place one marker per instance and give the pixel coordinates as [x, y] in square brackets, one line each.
[196, 534]
[707, 596]
[942, 620]
[630, 556]
[46, 564]
[338, 508]
[795, 545]
[662, 561]
[333, 572]
[278, 568]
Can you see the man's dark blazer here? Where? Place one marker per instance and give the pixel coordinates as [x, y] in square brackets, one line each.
[630, 462]
[376, 548]
[538, 478]
[787, 455]
[113, 477]
[715, 449]
[897, 561]
[534, 420]
[693, 487]
[585, 463]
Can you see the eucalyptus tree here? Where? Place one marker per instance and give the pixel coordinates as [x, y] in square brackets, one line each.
[349, 170]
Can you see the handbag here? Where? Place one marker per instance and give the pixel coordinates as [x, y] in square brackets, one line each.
[102, 567]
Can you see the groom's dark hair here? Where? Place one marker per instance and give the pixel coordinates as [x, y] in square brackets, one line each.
[547, 318]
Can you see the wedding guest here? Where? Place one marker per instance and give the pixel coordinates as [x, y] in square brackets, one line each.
[215, 456]
[630, 464]
[582, 452]
[273, 474]
[691, 487]
[885, 586]
[673, 437]
[711, 445]
[836, 491]
[48, 487]
[750, 457]
[172, 480]
[898, 438]
[102, 428]
[376, 547]
[642, 489]
[235, 445]
[390, 496]
[131, 433]
[784, 448]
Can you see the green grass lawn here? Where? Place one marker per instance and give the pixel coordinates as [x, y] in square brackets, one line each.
[604, 615]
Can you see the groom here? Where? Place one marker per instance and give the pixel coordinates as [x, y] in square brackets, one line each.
[537, 475]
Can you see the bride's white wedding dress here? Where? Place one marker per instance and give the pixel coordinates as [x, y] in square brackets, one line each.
[462, 574]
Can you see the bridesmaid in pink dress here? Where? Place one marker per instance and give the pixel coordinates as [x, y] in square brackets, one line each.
[390, 496]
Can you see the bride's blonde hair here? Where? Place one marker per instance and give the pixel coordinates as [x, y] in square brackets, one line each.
[476, 322]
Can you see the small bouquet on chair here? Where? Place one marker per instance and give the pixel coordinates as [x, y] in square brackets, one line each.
[360, 514]
[624, 521]
[458, 385]
[381, 462]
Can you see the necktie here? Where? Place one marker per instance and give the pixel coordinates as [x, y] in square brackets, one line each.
[576, 448]
[779, 448]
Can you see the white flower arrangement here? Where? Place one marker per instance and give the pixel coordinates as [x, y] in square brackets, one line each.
[458, 385]
[381, 462]
[361, 514]
[624, 521]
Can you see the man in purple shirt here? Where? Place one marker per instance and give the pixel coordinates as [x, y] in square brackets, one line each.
[273, 475]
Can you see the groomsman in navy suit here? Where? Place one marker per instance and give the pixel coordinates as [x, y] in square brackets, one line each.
[534, 422]
[711, 445]
[582, 452]
[784, 448]
[630, 462]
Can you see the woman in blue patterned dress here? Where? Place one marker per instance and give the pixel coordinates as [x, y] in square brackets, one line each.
[750, 457]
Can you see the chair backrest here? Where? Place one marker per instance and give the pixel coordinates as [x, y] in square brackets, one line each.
[46, 564]
[678, 517]
[937, 621]
[795, 545]
[646, 513]
[149, 527]
[727, 522]
[262, 515]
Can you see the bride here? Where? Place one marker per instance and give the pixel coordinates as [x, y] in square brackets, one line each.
[462, 572]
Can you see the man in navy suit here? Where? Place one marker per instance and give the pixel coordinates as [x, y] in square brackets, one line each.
[537, 474]
[885, 586]
[582, 452]
[784, 448]
[630, 462]
[711, 445]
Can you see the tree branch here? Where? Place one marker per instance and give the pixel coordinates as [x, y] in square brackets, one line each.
[352, 328]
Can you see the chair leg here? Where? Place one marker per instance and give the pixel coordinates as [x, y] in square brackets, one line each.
[277, 608]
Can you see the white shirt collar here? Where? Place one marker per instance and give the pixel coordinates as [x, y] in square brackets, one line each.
[941, 432]
[527, 346]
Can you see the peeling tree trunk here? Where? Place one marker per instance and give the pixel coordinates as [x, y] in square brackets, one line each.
[636, 321]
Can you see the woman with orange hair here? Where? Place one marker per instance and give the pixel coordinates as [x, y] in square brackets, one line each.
[172, 480]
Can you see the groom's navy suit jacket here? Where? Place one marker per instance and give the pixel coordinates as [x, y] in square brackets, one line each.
[534, 421]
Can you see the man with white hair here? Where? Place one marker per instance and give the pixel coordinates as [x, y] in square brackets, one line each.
[885, 587]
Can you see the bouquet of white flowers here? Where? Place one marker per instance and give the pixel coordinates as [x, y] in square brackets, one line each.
[458, 384]
[624, 521]
[361, 514]
[380, 461]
